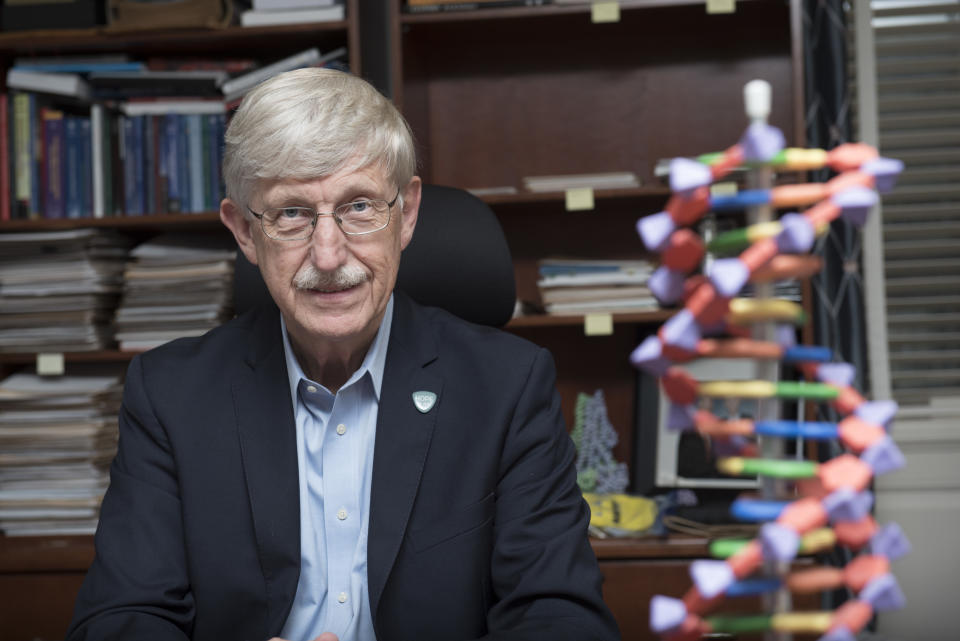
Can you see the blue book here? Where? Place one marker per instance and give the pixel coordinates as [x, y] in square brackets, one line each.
[72, 168]
[220, 127]
[79, 66]
[171, 126]
[54, 155]
[86, 167]
[194, 124]
[36, 158]
[133, 182]
[150, 165]
[183, 167]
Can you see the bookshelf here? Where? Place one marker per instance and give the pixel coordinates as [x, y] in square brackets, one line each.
[497, 94]
[494, 95]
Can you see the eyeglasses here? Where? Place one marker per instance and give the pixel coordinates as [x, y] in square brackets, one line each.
[354, 219]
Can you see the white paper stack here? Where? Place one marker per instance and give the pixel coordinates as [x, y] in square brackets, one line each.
[58, 289]
[577, 286]
[174, 286]
[57, 438]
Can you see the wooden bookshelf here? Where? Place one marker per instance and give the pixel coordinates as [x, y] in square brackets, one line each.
[495, 95]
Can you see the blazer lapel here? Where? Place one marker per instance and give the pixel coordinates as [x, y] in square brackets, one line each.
[265, 422]
[403, 439]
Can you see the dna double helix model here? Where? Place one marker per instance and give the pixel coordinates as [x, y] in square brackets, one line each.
[801, 506]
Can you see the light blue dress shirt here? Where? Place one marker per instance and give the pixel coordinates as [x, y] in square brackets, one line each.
[335, 439]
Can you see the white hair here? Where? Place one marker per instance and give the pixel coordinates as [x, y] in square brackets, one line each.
[310, 123]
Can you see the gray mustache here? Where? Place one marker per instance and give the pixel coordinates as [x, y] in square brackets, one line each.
[342, 278]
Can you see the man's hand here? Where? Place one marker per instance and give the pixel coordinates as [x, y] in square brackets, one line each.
[326, 636]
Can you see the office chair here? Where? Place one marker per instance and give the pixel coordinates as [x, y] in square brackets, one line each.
[458, 260]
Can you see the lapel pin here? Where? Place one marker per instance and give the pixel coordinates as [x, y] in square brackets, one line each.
[424, 400]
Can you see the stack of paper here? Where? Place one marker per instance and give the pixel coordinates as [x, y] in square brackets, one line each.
[58, 289]
[570, 286]
[57, 438]
[174, 286]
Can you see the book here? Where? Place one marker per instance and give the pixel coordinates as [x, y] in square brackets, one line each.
[235, 88]
[61, 84]
[255, 18]
[6, 197]
[162, 107]
[283, 5]
[431, 6]
[73, 196]
[54, 161]
[99, 152]
[22, 155]
[120, 85]
[194, 127]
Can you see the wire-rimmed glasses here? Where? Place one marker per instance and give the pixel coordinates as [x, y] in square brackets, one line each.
[354, 219]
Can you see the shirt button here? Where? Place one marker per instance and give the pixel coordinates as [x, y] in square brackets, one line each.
[342, 514]
[341, 429]
[342, 597]
[311, 388]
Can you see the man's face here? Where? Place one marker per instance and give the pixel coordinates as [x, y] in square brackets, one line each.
[299, 274]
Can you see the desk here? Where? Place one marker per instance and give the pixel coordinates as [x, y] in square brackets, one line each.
[40, 576]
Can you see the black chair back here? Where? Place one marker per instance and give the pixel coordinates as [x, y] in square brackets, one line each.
[458, 260]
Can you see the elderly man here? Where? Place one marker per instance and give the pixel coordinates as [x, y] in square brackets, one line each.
[345, 464]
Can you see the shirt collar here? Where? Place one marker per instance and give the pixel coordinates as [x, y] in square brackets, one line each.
[373, 363]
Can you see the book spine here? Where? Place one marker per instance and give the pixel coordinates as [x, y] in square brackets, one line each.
[219, 127]
[208, 160]
[183, 167]
[6, 197]
[98, 153]
[54, 179]
[73, 205]
[139, 166]
[174, 189]
[129, 166]
[86, 164]
[35, 210]
[150, 165]
[21, 155]
[119, 151]
[195, 143]
[110, 165]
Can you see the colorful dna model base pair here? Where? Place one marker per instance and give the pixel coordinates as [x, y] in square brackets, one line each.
[829, 503]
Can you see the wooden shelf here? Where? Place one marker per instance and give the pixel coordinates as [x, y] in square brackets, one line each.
[150, 222]
[530, 197]
[505, 13]
[637, 318]
[106, 40]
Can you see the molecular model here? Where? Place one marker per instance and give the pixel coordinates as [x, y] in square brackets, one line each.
[802, 506]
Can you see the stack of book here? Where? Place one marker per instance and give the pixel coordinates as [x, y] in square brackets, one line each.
[93, 137]
[274, 12]
[571, 286]
[57, 437]
[58, 290]
[175, 286]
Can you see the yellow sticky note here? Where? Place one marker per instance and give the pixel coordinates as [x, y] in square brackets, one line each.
[579, 199]
[605, 12]
[721, 6]
[598, 324]
[723, 189]
[50, 364]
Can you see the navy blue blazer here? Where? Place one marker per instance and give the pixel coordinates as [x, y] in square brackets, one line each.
[477, 528]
